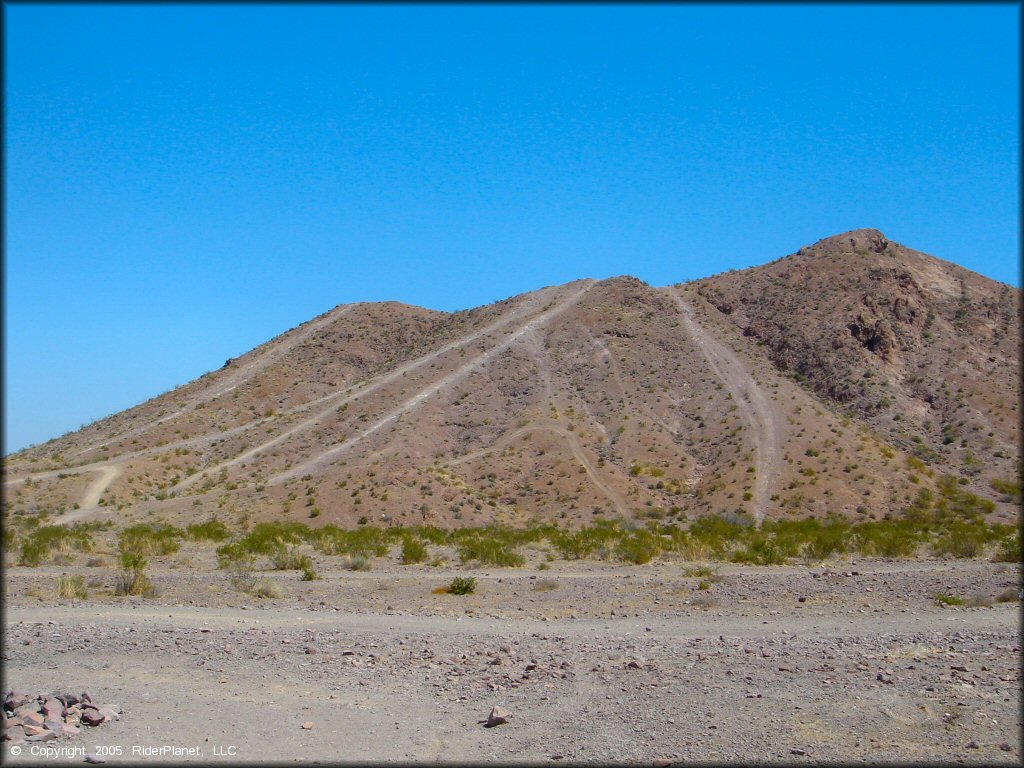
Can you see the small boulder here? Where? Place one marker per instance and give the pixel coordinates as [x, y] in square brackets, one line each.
[498, 716]
[92, 717]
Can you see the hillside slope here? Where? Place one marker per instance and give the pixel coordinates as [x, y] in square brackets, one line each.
[843, 378]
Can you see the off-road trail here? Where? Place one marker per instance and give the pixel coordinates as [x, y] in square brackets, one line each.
[751, 401]
[225, 381]
[90, 499]
[618, 502]
[457, 375]
[353, 392]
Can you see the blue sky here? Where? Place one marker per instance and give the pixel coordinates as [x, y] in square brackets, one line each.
[184, 182]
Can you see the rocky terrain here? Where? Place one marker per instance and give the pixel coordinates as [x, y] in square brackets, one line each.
[854, 660]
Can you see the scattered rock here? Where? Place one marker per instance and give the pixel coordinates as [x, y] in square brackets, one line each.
[92, 717]
[498, 716]
[307, 726]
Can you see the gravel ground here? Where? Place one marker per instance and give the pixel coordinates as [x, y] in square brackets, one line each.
[854, 662]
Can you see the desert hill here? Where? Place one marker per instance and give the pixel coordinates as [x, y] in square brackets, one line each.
[843, 378]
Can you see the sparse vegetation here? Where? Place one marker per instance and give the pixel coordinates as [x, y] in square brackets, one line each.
[132, 580]
[71, 587]
[462, 585]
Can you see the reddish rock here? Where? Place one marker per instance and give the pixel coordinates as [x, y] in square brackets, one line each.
[92, 717]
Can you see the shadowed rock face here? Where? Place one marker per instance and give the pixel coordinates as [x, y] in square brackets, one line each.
[809, 385]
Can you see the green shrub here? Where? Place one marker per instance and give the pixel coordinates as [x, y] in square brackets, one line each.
[147, 539]
[638, 547]
[289, 559]
[212, 530]
[489, 548]
[1010, 549]
[962, 540]
[947, 599]
[760, 551]
[132, 579]
[413, 551]
[888, 538]
[308, 574]
[43, 541]
[462, 585]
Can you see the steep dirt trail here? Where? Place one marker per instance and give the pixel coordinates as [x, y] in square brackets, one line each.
[234, 378]
[351, 393]
[427, 392]
[751, 401]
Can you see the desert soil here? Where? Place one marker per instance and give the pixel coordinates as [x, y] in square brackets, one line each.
[851, 661]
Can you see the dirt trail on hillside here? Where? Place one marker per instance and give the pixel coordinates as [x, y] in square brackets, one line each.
[350, 393]
[458, 374]
[753, 404]
[575, 446]
[233, 378]
[90, 498]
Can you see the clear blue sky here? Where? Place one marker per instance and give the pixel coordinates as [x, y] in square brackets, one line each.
[184, 182]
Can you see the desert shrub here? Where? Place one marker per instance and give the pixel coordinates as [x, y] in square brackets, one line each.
[308, 574]
[761, 550]
[38, 545]
[954, 503]
[290, 559]
[1010, 549]
[132, 579]
[413, 551]
[638, 547]
[241, 572]
[97, 562]
[462, 585]
[946, 599]
[717, 533]
[574, 545]
[703, 585]
[490, 546]
[888, 538]
[360, 563]
[69, 587]
[699, 571]
[268, 588]
[266, 538]
[1009, 595]
[962, 540]
[146, 539]
[212, 530]
[365, 541]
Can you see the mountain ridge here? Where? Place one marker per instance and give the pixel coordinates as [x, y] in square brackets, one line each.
[829, 380]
